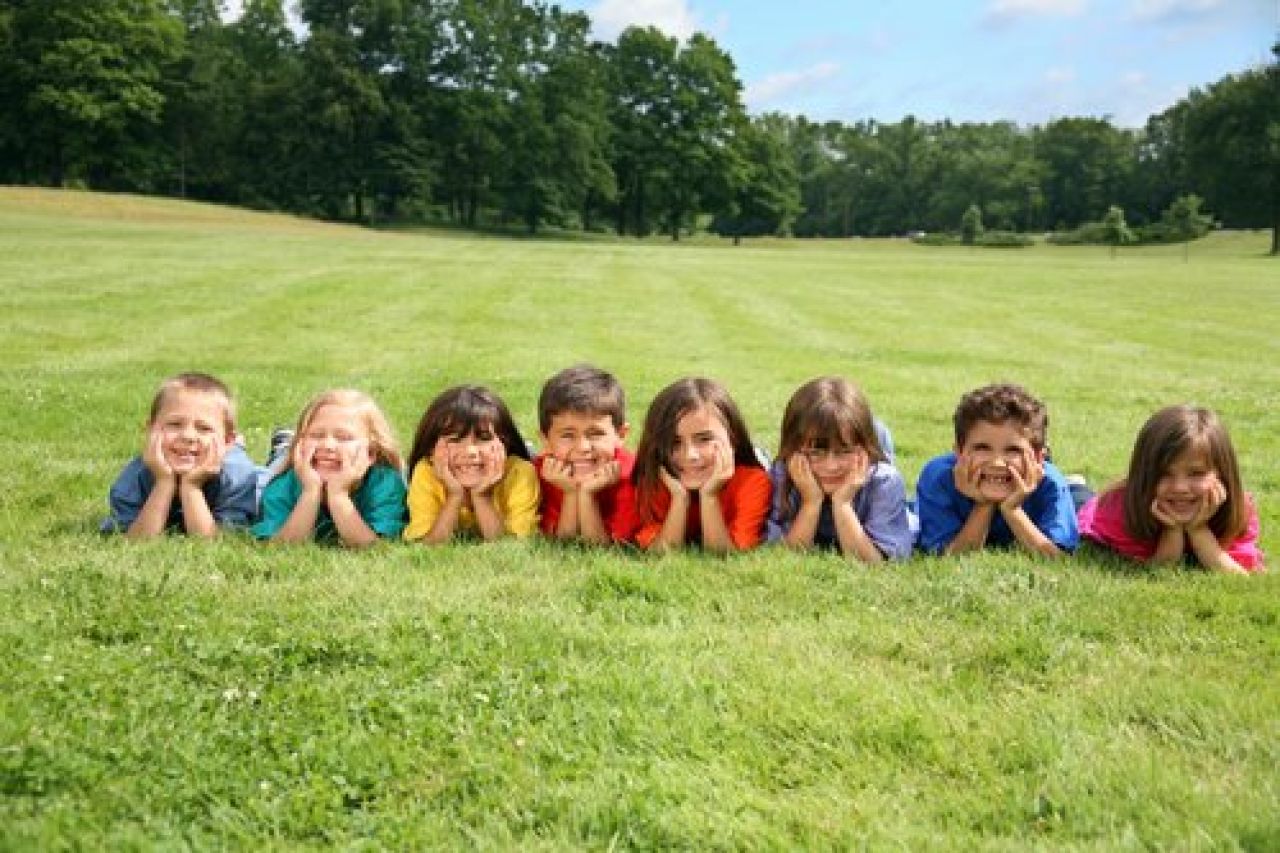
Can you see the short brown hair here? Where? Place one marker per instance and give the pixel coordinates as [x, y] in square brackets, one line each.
[201, 383]
[585, 389]
[1165, 436]
[1002, 403]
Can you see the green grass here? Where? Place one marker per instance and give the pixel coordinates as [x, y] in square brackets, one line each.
[520, 694]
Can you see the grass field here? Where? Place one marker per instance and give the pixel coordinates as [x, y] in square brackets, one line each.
[178, 694]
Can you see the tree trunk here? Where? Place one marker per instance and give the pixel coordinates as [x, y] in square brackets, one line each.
[1275, 235]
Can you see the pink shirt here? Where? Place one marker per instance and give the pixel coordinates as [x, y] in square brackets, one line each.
[1102, 521]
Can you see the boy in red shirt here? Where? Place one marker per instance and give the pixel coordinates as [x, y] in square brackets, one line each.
[584, 469]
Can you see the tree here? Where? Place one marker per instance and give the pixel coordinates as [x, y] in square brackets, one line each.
[1085, 161]
[84, 84]
[971, 225]
[766, 193]
[1233, 147]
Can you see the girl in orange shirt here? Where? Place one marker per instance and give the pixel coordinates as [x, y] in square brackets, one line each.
[697, 477]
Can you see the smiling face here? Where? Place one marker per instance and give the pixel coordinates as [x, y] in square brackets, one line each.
[583, 440]
[1182, 486]
[189, 421]
[998, 449]
[693, 451]
[337, 432]
[468, 452]
[830, 463]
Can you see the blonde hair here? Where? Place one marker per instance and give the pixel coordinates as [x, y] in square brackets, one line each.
[200, 383]
[382, 440]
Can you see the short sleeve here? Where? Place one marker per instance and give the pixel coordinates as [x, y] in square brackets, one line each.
[744, 515]
[1055, 510]
[384, 505]
[125, 499]
[775, 528]
[425, 500]
[519, 498]
[1245, 550]
[939, 520]
[235, 505]
[278, 500]
[887, 523]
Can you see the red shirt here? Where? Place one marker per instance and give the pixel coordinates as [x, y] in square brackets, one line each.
[744, 501]
[617, 503]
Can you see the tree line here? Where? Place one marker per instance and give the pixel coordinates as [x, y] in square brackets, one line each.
[506, 113]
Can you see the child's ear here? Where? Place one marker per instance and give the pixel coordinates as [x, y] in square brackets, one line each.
[542, 438]
[623, 430]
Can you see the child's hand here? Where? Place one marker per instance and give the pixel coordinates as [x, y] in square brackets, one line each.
[440, 466]
[603, 477]
[859, 471]
[1163, 516]
[967, 473]
[672, 482]
[355, 464]
[721, 473]
[1023, 487]
[1209, 503]
[208, 463]
[801, 473]
[559, 474]
[495, 462]
[304, 454]
[153, 456]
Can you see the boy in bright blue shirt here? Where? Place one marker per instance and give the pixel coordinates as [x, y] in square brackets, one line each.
[998, 487]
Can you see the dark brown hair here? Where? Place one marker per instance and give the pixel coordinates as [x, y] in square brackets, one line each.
[461, 410]
[1002, 403]
[672, 403]
[583, 389]
[201, 383]
[1165, 436]
[827, 412]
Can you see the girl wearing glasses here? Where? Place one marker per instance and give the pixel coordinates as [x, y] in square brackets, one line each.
[834, 484]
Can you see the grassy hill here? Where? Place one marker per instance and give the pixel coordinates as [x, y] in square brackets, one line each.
[174, 693]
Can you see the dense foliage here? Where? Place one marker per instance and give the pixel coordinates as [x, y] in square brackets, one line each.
[506, 113]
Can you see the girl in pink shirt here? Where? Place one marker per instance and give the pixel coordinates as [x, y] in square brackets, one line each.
[1182, 499]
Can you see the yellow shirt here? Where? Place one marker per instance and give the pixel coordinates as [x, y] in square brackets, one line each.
[515, 497]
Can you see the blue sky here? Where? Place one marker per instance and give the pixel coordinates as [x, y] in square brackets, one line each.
[1028, 61]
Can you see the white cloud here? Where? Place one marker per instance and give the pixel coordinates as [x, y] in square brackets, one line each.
[1001, 12]
[673, 17]
[1060, 76]
[1172, 11]
[775, 86]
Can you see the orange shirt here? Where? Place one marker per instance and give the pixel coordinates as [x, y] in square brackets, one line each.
[744, 501]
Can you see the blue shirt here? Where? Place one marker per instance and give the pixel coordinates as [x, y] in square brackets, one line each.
[881, 506]
[232, 495]
[943, 510]
[379, 499]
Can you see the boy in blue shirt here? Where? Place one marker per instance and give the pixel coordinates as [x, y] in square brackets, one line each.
[191, 477]
[998, 487]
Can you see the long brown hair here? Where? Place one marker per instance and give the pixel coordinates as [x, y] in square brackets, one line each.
[672, 403]
[828, 411]
[461, 410]
[1165, 436]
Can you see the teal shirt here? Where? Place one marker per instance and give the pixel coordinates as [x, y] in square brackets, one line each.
[380, 500]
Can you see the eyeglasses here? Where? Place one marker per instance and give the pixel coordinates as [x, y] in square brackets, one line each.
[822, 454]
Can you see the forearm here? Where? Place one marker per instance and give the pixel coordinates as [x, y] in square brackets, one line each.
[154, 513]
[591, 527]
[853, 538]
[1211, 554]
[488, 517]
[973, 534]
[353, 530]
[196, 515]
[1027, 534]
[671, 536]
[301, 524]
[804, 526]
[445, 523]
[715, 533]
[1170, 546]
[568, 524]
